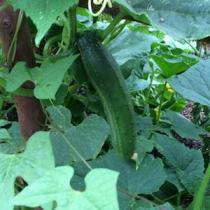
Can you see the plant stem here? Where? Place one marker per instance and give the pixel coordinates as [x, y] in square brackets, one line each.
[112, 25]
[119, 29]
[8, 111]
[148, 93]
[49, 44]
[195, 50]
[178, 200]
[73, 25]
[161, 102]
[12, 50]
[132, 195]
[172, 196]
[201, 191]
[115, 32]
[157, 199]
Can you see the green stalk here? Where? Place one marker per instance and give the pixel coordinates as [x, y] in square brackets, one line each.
[115, 33]
[112, 26]
[161, 102]
[178, 200]
[49, 43]
[13, 45]
[194, 49]
[201, 190]
[146, 103]
[73, 25]
[64, 45]
[119, 29]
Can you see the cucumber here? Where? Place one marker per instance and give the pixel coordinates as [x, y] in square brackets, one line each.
[105, 75]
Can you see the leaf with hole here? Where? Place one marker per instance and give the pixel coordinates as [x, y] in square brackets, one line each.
[29, 165]
[100, 192]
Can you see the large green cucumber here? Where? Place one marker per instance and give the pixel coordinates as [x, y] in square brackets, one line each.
[105, 75]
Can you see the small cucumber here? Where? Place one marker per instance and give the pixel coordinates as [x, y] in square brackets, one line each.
[105, 75]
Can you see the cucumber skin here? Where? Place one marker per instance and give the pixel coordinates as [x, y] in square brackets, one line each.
[105, 75]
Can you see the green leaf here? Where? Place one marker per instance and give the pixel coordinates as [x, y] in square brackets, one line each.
[4, 134]
[166, 206]
[170, 65]
[143, 146]
[135, 181]
[60, 117]
[186, 162]
[29, 165]
[135, 84]
[180, 19]
[130, 45]
[43, 12]
[47, 78]
[172, 178]
[128, 9]
[194, 84]
[100, 192]
[15, 143]
[84, 140]
[144, 125]
[4, 122]
[135, 65]
[191, 183]
[184, 127]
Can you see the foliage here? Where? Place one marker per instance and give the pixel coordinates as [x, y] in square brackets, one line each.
[73, 164]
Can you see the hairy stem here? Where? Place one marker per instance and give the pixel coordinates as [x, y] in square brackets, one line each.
[112, 25]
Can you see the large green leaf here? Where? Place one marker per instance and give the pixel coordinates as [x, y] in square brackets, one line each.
[184, 127]
[143, 147]
[126, 7]
[181, 19]
[187, 163]
[134, 180]
[194, 84]
[170, 65]
[60, 117]
[165, 206]
[29, 165]
[130, 45]
[100, 192]
[47, 78]
[14, 143]
[43, 12]
[75, 142]
[172, 178]
[144, 125]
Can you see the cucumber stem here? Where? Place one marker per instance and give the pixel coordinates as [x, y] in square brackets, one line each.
[201, 190]
[112, 25]
[161, 103]
[115, 33]
[73, 25]
[119, 29]
[146, 102]
[49, 44]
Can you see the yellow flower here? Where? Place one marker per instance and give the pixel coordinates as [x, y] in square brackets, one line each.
[169, 88]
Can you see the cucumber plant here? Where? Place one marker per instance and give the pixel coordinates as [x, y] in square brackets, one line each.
[104, 105]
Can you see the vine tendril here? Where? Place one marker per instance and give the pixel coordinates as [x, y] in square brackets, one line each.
[103, 4]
